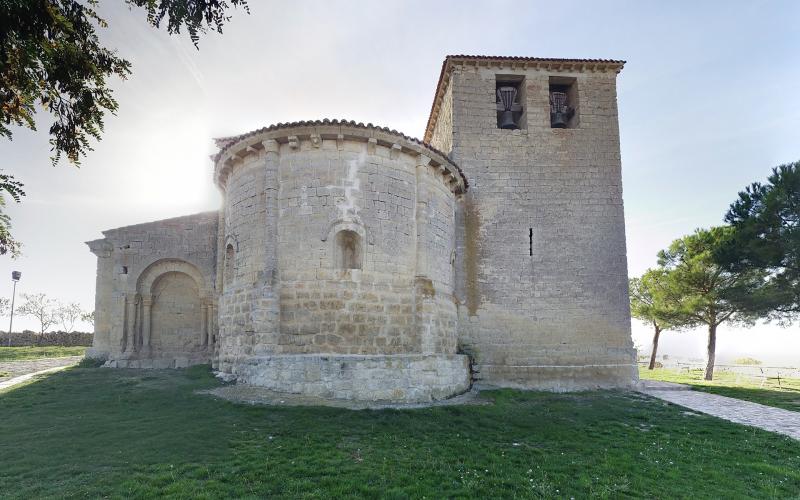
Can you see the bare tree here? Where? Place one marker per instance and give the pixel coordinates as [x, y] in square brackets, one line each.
[88, 317]
[5, 306]
[68, 314]
[41, 307]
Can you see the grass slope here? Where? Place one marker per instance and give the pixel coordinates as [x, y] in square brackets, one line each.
[30, 352]
[725, 383]
[94, 432]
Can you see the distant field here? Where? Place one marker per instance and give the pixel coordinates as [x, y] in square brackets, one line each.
[783, 393]
[26, 353]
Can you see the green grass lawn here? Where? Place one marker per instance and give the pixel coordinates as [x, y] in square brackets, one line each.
[725, 383]
[25, 353]
[96, 432]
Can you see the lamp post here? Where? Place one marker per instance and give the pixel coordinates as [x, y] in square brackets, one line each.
[15, 276]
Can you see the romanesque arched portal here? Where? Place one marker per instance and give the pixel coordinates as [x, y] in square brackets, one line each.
[172, 313]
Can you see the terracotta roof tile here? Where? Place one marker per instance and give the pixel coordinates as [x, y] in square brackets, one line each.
[224, 143]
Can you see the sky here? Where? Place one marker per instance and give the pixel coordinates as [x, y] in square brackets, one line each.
[709, 102]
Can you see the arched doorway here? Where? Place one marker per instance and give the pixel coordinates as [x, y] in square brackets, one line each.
[176, 314]
[174, 318]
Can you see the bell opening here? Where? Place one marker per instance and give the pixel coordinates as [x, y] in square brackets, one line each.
[563, 98]
[509, 99]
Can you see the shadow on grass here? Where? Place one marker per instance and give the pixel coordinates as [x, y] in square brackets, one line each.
[145, 433]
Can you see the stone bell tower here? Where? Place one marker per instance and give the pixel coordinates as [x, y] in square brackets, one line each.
[541, 273]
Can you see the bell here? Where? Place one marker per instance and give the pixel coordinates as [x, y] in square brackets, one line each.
[507, 95]
[507, 120]
[560, 112]
[558, 120]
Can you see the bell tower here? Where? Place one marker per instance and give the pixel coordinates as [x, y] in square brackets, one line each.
[541, 271]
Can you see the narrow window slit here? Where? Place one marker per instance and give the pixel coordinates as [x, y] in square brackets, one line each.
[230, 255]
[530, 242]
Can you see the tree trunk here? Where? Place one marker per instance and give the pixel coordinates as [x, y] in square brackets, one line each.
[712, 347]
[655, 348]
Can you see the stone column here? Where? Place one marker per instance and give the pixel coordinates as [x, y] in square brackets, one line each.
[104, 299]
[421, 215]
[272, 184]
[147, 303]
[204, 325]
[423, 286]
[130, 321]
[210, 327]
[269, 300]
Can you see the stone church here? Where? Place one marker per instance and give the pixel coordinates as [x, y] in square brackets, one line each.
[352, 261]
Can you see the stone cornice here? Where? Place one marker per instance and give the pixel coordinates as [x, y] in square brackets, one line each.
[101, 248]
[237, 149]
[548, 64]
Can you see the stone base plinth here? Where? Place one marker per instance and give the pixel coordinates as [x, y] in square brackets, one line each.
[560, 378]
[157, 363]
[396, 378]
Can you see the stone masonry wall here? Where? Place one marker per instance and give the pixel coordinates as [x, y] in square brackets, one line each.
[328, 309]
[442, 137]
[129, 255]
[541, 259]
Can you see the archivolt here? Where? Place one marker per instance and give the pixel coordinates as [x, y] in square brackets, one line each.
[158, 268]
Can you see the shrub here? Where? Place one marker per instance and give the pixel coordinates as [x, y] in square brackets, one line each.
[29, 338]
[91, 363]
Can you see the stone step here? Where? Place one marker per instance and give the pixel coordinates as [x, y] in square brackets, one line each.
[657, 385]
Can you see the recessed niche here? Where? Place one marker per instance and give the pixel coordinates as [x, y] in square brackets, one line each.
[348, 249]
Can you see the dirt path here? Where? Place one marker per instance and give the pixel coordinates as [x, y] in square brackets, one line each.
[11, 369]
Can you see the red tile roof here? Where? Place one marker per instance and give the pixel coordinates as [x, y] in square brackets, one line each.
[224, 143]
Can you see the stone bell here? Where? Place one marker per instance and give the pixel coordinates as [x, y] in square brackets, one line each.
[560, 112]
[506, 96]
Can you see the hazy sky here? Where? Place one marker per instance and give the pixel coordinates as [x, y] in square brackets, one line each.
[709, 101]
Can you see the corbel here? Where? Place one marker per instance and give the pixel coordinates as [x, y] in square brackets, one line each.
[271, 146]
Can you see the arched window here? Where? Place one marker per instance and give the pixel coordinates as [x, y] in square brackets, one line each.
[230, 257]
[348, 250]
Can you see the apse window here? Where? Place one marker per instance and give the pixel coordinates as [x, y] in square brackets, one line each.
[563, 102]
[348, 250]
[509, 99]
[230, 257]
